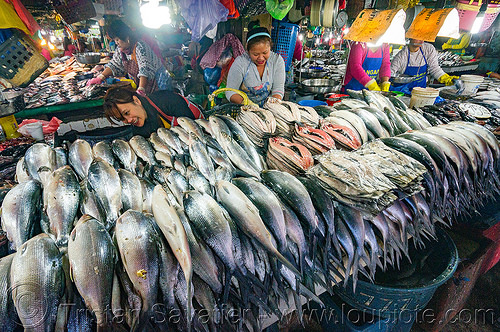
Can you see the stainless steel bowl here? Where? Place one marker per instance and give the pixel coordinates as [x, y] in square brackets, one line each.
[318, 85]
[88, 58]
[403, 79]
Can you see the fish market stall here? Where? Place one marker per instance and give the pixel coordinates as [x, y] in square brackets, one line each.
[231, 221]
[374, 191]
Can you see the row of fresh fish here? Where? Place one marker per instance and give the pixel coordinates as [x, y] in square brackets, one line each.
[462, 164]
[368, 178]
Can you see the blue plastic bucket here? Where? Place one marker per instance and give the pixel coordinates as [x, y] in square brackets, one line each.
[311, 103]
[386, 301]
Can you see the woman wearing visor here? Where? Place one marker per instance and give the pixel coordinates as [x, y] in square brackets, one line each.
[418, 60]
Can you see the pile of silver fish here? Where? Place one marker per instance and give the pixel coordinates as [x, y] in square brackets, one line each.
[221, 230]
[368, 178]
[462, 164]
[259, 123]
[188, 229]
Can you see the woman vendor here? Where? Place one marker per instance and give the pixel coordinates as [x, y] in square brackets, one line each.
[364, 65]
[148, 113]
[139, 58]
[259, 73]
[418, 59]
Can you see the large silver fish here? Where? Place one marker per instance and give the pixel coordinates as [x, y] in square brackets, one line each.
[37, 271]
[21, 209]
[131, 191]
[103, 150]
[21, 171]
[247, 217]
[292, 192]
[198, 181]
[135, 237]
[268, 205]
[93, 273]
[105, 182]
[125, 154]
[147, 195]
[143, 149]
[171, 226]
[8, 315]
[40, 161]
[61, 201]
[80, 157]
[171, 139]
[89, 205]
[202, 161]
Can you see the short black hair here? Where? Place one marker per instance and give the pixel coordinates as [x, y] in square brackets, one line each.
[118, 29]
[252, 39]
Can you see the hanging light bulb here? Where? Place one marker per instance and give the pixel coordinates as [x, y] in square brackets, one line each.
[478, 22]
[301, 36]
[153, 15]
[51, 46]
[43, 42]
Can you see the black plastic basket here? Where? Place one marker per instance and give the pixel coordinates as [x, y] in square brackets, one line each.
[230, 109]
[250, 7]
[20, 61]
[73, 11]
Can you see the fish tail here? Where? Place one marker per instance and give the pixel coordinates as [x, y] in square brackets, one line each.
[227, 285]
[189, 301]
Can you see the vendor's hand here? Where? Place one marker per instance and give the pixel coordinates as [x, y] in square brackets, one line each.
[95, 80]
[384, 86]
[372, 85]
[141, 91]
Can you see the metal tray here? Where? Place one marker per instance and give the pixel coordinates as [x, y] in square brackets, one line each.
[318, 85]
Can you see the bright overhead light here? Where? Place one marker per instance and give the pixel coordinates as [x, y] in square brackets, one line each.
[301, 37]
[450, 27]
[153, 15]
[478, 23]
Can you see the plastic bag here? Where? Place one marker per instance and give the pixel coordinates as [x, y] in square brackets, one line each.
[277, 9]
[202, 15]
[225, 58]
[48, 127]
[212, 75]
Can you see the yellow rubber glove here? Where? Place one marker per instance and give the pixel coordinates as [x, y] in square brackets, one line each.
[372, 85]
[384, 86]
[447, 79]
[445, 46]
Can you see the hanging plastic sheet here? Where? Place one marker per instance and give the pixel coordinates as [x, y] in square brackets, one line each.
[10, 19]
[229, 4]
[25, 16]
[279, 9]
[202, 15]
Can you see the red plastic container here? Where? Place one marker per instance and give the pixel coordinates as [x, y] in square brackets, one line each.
[332, 98]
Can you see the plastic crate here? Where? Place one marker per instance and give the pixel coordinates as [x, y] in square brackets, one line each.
[284, 36]
[73, 11]
[20, 61]
[467, 13]
[489, 16]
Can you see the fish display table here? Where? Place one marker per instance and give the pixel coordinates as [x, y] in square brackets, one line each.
[82, 105]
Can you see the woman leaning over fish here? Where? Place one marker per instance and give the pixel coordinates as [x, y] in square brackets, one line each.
[259, 73]
[148, 113]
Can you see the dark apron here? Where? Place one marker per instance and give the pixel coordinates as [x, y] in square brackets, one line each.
[371, 67]
[420, 74]
[170, 121]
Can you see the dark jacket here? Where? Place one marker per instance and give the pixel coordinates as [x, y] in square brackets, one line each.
[168, 102]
